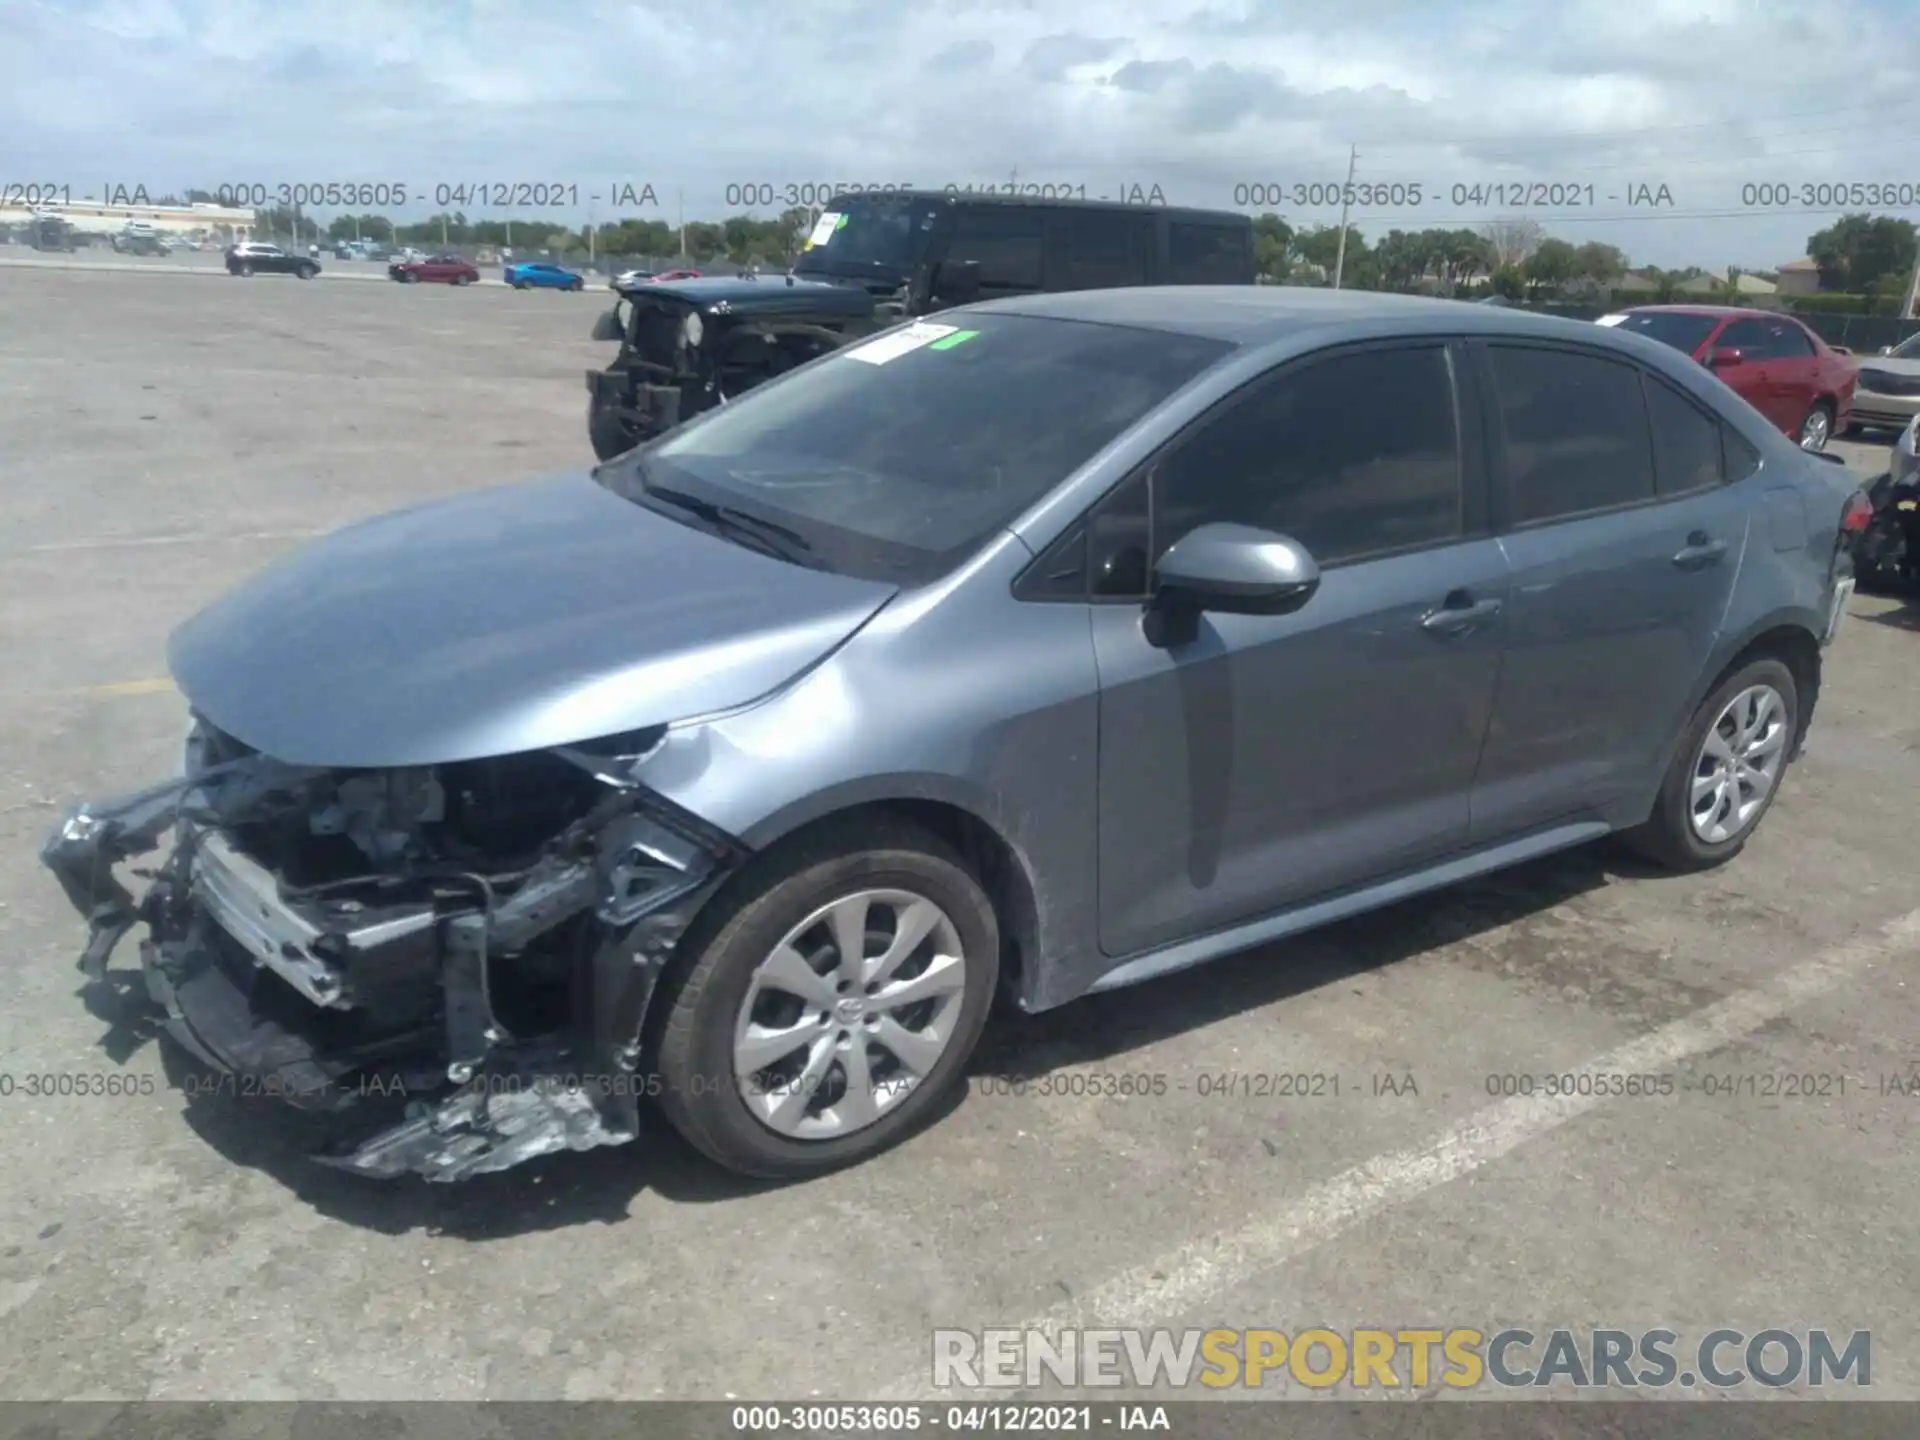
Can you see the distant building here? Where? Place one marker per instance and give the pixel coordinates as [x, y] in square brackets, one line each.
[94, 218]
[1799, 277]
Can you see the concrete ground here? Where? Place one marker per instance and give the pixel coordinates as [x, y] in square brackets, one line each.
[161, 440]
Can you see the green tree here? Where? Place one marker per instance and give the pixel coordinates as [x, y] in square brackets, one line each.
[1321, 246]
[1462, 254]
[1509, 281]
[1551, 265]
[1272, 247]
[1403, 259]
[1859, 252]
[1602, 264]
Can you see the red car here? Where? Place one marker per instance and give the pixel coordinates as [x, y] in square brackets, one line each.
[1772, 361]
[435, 269]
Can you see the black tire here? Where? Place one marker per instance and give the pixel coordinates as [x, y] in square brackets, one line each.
[307, 272]
[462, 279]
[246, 270]
[610, 437]
[695, 1013]
[1667, 837]
[577, 286]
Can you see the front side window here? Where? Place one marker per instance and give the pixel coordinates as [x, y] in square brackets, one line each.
[898, 456]
[1206, 254]
[882, 236]
[1574, 430]
[1095, 249]
[1008, 242]
[1752, 338]
[1352, 455]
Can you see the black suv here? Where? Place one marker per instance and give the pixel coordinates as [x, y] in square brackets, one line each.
[255, 258]
[870, 261]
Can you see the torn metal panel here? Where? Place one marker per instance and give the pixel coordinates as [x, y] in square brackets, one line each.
[484, 937]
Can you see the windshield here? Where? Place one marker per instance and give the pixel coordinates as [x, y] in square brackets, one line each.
[1681, 331]
[895, 458]
[1908, 349]
[864, 236]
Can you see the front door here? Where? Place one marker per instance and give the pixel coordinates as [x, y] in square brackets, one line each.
[1624, 539]
[1275, 758]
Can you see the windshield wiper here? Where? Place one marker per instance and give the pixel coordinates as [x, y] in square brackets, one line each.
[776, 539]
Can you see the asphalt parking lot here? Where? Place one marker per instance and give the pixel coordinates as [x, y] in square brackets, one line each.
[164, 438]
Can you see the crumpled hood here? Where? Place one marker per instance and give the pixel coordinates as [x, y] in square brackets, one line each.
[503, 620]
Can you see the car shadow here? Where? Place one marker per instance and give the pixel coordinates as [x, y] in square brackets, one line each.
[556, 1192]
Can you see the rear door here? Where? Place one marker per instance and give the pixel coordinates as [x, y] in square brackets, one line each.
[1624, 539]
[1795, 367]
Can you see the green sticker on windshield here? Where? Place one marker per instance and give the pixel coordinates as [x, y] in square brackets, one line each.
[959, 337]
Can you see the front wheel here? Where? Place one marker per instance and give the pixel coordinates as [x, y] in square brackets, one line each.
[1817, 428]
[462, 279]
[307, 272]
[1727, 770]
[609, 434]
[577, 286]
[246, 270]
[832, 1006]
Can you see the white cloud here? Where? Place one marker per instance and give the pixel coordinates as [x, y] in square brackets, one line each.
[1701, 95]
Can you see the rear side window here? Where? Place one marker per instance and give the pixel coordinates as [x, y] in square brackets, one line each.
[1201, 254]
[1093, 249]
[1574, 430]
[1738, 458]
[1007, 240]
[1686, 441]
[1289, 459]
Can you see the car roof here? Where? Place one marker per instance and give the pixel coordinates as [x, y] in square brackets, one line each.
[1252, 315]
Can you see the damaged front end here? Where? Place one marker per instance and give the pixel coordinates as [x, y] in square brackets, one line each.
[482, 938]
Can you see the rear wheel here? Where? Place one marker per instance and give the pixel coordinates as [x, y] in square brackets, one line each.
[830, 1008]
[577, 286]
[246, 269]
[307, 272]
[1817, 428]
[1727, 770]
[462, 279]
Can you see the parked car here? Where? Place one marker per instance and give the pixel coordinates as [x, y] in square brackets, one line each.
[1062, 643]
[538, 275]
[434, 269]
[687, 346]
[1772, 361]
[1888, 394]
[252, 257]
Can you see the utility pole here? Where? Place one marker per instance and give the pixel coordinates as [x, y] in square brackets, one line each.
[443, 230]
[1913, 289]
[1346, 192]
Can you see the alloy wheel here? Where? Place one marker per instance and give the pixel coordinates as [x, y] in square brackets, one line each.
[850, 1012]
[1816, 429]
[1738, 764]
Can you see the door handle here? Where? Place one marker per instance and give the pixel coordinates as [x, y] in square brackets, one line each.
[1457, 613]
[1700, 551]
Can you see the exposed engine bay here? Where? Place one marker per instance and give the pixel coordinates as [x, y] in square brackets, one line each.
[481, 938]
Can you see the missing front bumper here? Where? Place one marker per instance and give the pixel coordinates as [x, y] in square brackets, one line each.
[253, 988]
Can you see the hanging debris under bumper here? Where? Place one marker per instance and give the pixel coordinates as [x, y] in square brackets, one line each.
[466, 953]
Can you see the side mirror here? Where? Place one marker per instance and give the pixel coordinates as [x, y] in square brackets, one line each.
[1725, 355]
[956, 282]
[1231, 570]
[1886, 349]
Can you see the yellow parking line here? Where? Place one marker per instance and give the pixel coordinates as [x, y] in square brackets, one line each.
[158, 686]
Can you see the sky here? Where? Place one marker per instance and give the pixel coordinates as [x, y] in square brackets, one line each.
[1661, 118]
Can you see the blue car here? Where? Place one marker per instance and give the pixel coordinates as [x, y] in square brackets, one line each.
[528, 274]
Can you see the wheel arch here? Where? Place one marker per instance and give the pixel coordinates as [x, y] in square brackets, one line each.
[960, 821]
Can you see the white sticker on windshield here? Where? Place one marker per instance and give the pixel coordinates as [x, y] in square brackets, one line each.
[1610, 320]
[823, 228]
[892, 347]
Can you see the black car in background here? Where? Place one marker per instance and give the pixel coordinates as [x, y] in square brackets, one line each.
[871, 261]
[251, 257]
